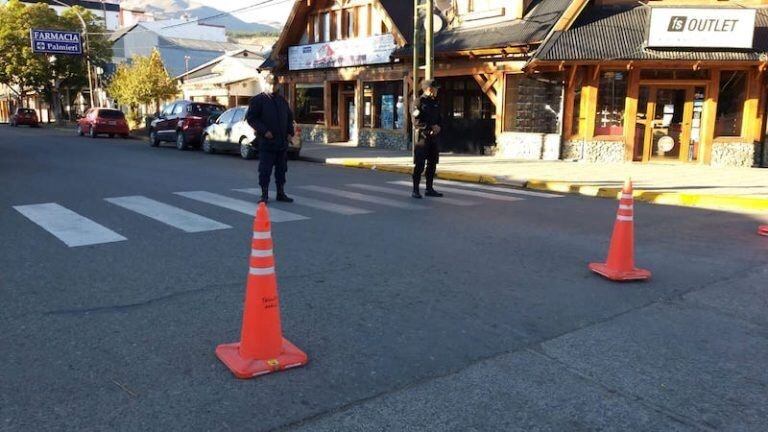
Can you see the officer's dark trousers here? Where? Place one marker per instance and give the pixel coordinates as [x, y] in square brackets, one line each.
[272, 159]
[426, 155]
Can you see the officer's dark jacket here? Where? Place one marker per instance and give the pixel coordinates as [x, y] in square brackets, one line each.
[428, 116]
[270, 113]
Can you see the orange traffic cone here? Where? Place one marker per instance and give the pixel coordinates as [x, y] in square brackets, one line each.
[262, 348]
[763, 230]
[620, 265]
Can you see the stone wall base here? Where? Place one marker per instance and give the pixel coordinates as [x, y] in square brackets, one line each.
[528, 146]
[382, 138]
[736, 154]
[594, 151]
[311, 133]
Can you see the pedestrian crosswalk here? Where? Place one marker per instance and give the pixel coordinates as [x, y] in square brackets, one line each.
[348, 200]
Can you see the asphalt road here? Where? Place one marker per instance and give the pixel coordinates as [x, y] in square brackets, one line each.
[477, 314]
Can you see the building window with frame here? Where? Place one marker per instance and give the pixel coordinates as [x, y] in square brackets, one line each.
[730, 103]
[611, 100]
[310, 100]
[470, 6]
[384, 106]
[532, 105]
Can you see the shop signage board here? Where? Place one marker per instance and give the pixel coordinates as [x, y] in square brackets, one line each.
[701, 28]
[56, 42]
[342, 53]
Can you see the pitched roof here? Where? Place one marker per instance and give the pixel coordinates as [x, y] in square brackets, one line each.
[531, 29]
[618, 33]
[401, 12]
[203, 45]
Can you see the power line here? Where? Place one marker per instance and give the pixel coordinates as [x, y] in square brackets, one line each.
[263, 4]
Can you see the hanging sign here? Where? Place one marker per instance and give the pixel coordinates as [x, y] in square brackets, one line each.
[56, 42]
[342, 53]
[701, 28]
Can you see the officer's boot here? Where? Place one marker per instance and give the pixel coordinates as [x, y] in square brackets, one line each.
[416, 180]
[264, 194]
[431, 192]
[281, 196]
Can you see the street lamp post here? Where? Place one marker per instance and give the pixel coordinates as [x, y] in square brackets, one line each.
[87, 48]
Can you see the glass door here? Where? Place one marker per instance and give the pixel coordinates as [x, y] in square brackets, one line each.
[669, 129]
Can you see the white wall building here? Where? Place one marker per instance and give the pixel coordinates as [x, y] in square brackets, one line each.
[108, 10]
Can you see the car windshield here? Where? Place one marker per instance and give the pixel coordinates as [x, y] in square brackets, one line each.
[206, 110]
[111, 114]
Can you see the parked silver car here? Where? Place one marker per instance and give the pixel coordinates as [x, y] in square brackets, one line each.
[230, 133]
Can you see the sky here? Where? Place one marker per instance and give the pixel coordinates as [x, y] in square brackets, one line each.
[278, 12]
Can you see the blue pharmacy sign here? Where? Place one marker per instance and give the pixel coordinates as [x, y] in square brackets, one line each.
[56, 42]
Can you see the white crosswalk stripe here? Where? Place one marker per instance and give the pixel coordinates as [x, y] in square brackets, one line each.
[167, 214]
[473, 193]
[71, 228]
[245, 207]
[365, 198]
[489, 188]
[400, 192]
[317, 204]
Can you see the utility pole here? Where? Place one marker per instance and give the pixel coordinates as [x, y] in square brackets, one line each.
[87, 47]
[420, 28]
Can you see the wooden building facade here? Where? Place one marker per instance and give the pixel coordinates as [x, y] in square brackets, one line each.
[680, 81]
[346, 68]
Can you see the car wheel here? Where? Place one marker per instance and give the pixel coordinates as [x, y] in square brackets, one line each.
[181, 141]
[153, 141]
[80, 130]
[91, 132]
[208, 146]
[111, 135]
[246, 150]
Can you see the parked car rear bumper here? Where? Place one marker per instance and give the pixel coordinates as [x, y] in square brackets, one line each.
[109, 129]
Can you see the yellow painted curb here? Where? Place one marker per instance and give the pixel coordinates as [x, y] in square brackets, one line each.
[724, 202]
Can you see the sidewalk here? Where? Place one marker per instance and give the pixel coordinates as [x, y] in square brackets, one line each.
[738, 189]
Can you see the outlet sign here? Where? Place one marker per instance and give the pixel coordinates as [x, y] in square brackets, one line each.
[701, 28]
[56, 42]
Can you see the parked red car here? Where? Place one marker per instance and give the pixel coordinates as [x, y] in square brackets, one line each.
[98, 121]
[25, 116]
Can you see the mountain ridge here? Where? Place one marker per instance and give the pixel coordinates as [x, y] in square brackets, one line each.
[169, 9]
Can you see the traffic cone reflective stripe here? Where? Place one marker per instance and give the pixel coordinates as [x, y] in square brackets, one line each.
[763, 230]
[262, 348]
[620, 264]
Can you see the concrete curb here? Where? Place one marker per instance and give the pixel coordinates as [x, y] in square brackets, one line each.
[709, 201]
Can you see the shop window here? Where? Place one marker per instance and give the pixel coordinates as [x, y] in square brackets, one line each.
[611, 97]
[309, 104]
[458, 107]
[576, 117]
[384, 107]
[730, 103]
[532, 104]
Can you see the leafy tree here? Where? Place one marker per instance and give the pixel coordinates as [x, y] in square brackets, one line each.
[26, 72]
[142, 81]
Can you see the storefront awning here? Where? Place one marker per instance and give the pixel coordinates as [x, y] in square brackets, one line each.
[619, 33]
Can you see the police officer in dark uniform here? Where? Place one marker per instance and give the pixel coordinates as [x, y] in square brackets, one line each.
[426, 151]
[270, 116]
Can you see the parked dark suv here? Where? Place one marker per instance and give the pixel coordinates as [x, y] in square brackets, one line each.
[183, 122]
